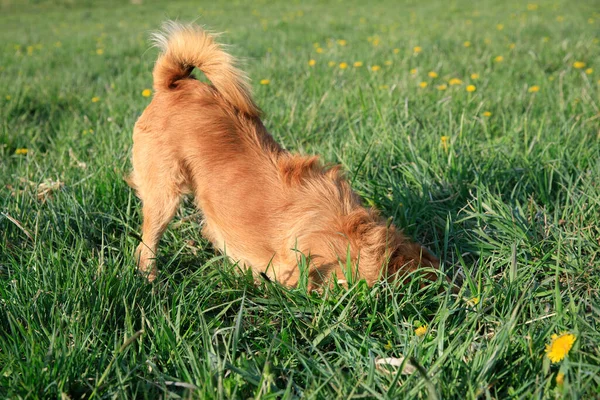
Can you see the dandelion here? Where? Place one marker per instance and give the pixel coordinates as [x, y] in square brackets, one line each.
[265, 81]
[358, 64]
[500, 27]
[560, 18]
[486, 114]
[534, 89]
[545, 39]
[475, 300]
[474, 76]
[499, 59]
[343, 65]
[560, 379]
[312, 63]
[487, 41]
[423, 84]
[422, 330]
[455, 81]
[413, 71]
[589, 71]
[384, 87]
[342, 42]
[432, 74]
[444, 140]
[8, 97]
[29, 50]
[512, 46]
[532, 7]
[471, 88]
[579, 64]
[57, 44]
[417, 49]
[559, 346]
[375, 68]
[146, 92]
[396, 51]
[319, 50]
[467, 44]
[388, 62]
[21, 151]
[331, 63]
[95, 99]
[590, 20]
[99, 51]
[441, 87]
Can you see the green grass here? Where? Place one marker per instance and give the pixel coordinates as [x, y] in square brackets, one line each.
[510, 203]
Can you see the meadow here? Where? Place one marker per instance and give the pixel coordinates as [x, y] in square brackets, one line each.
[474, 125]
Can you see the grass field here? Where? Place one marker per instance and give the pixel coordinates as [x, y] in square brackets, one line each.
[475, 125]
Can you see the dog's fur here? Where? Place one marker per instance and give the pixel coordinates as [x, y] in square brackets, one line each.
[262, 205]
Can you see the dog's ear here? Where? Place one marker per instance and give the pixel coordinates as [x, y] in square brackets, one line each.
[409, 257]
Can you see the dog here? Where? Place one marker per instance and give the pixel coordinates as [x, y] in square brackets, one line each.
[263, 206]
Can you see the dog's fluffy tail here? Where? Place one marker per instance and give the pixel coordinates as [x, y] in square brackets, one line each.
[185, 46]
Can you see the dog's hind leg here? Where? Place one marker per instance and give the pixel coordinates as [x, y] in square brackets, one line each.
[159, 207]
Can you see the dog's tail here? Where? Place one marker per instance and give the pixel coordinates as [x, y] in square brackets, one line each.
[185, 46]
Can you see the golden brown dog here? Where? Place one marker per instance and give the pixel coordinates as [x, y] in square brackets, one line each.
[262, 205]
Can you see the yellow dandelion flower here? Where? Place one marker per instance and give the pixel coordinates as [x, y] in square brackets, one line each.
[331, 63]
[579, 64]
[559, 346]
[499, 59]
[432, 74]
[444, 140]
[95, 99]
[384, 87]
[146, 92]
[358, 64]
[455, 81]
[487, 41]
[545, 39]
[443, 86]
[423, 84]
[512, 46]
[500, 27]
[316, 44]
[342, 42]
[550, 78]
[560, 379]
[534, 89]
[21, 151]
[420, 331]
[485, 114]
[376, 41]
[343, 65]
[475, 300]
[99, 51]
[396, 51]
[8, 97]
[560, 18]
[375, 68]
[589, 71]
[265, 81]
[57, 44]
[388, 62]
[590, 20]
[467, 44]
[311, 63]
[471, 88]
[474, 76]
[413, 71]
[532, 7]
[319, 50]
[29, 50]
[417, 49]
